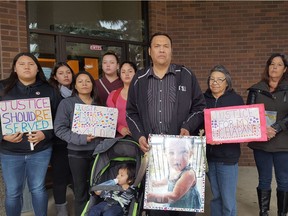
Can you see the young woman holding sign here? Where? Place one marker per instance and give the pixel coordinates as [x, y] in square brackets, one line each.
[80, 146]
[222, 159]
[20, 163]
[62, 79]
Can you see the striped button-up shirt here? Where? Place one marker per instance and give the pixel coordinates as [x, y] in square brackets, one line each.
[161, 100]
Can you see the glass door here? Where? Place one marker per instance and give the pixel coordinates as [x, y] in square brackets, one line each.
[87, 54]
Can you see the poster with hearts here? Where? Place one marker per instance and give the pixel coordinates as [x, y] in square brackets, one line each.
[95, 120]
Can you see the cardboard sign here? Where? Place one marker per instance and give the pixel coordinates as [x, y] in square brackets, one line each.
[235, 124]
[25, 115]
[175, 177]
[96, 120]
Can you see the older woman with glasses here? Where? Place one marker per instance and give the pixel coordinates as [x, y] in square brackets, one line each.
[222, 159]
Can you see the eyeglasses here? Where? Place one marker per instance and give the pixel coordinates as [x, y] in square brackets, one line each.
[218, 81]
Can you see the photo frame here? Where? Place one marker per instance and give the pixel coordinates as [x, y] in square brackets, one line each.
[176, 163]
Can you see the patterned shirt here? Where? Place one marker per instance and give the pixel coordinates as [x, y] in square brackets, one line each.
[122, 197]
[161, 100]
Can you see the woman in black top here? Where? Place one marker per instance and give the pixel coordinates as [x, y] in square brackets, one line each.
[19, 162]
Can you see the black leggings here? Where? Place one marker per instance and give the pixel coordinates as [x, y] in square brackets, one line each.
[81, 169]
[61, 173]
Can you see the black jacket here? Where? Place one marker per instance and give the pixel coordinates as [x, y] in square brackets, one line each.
[187, 112]
[37, 90]
[273, 101]
[226, 153]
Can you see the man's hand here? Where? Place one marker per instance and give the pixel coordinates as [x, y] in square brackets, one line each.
[184, 132]
[143, 144]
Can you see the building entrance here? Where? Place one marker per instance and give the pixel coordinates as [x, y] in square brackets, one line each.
[79, 53]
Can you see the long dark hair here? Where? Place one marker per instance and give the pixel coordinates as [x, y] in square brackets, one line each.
[11, 81]
[53, 82]
[93, 93]
[132, 64]
[265, 74]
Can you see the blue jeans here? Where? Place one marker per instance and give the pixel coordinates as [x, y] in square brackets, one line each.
[104, 209]
[265, 162]
[16, 169]
[223, 180]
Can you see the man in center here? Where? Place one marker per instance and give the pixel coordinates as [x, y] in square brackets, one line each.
[164, 98]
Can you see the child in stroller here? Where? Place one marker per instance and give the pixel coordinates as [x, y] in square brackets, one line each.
[110, 155]
[116, 200]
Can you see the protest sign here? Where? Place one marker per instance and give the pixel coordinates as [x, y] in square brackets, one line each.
[25, 115]
[95, 120]
[175, 177]
[235, 124]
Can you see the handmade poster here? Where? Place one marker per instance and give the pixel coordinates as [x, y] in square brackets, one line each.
[235, 124]
[95, 120]
[25, 115]
[175, 177]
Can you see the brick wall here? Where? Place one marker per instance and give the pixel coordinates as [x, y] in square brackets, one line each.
[13, 33]
[239, 35]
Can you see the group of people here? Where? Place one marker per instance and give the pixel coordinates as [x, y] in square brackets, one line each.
[69, 154]
[163, 98]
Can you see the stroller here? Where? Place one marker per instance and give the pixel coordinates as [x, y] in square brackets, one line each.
[109, 155]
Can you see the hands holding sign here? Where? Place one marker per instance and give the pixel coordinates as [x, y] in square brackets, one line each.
[14, 138]
[35, 137]
[271, 132]
[90, 137]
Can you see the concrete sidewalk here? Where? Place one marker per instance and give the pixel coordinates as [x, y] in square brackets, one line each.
[246, 196]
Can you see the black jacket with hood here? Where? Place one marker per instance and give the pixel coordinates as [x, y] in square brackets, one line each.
[226, 153]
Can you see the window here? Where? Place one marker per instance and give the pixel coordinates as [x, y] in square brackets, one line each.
[121, 20]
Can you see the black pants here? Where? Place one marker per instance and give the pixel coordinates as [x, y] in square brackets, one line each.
[81, 169]
[61, 173]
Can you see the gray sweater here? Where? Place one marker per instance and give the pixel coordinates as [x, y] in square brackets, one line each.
[63, 125]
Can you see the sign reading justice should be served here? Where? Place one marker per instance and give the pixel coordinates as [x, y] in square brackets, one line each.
[25, 115]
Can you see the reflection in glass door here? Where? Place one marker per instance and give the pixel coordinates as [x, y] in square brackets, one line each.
[87, 56]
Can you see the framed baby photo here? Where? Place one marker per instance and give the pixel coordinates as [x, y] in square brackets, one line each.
[175, 177]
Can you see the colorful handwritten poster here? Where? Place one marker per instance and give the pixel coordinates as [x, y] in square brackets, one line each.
[235, 124]
[96, 120]
[25, 115]
[175, 177]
